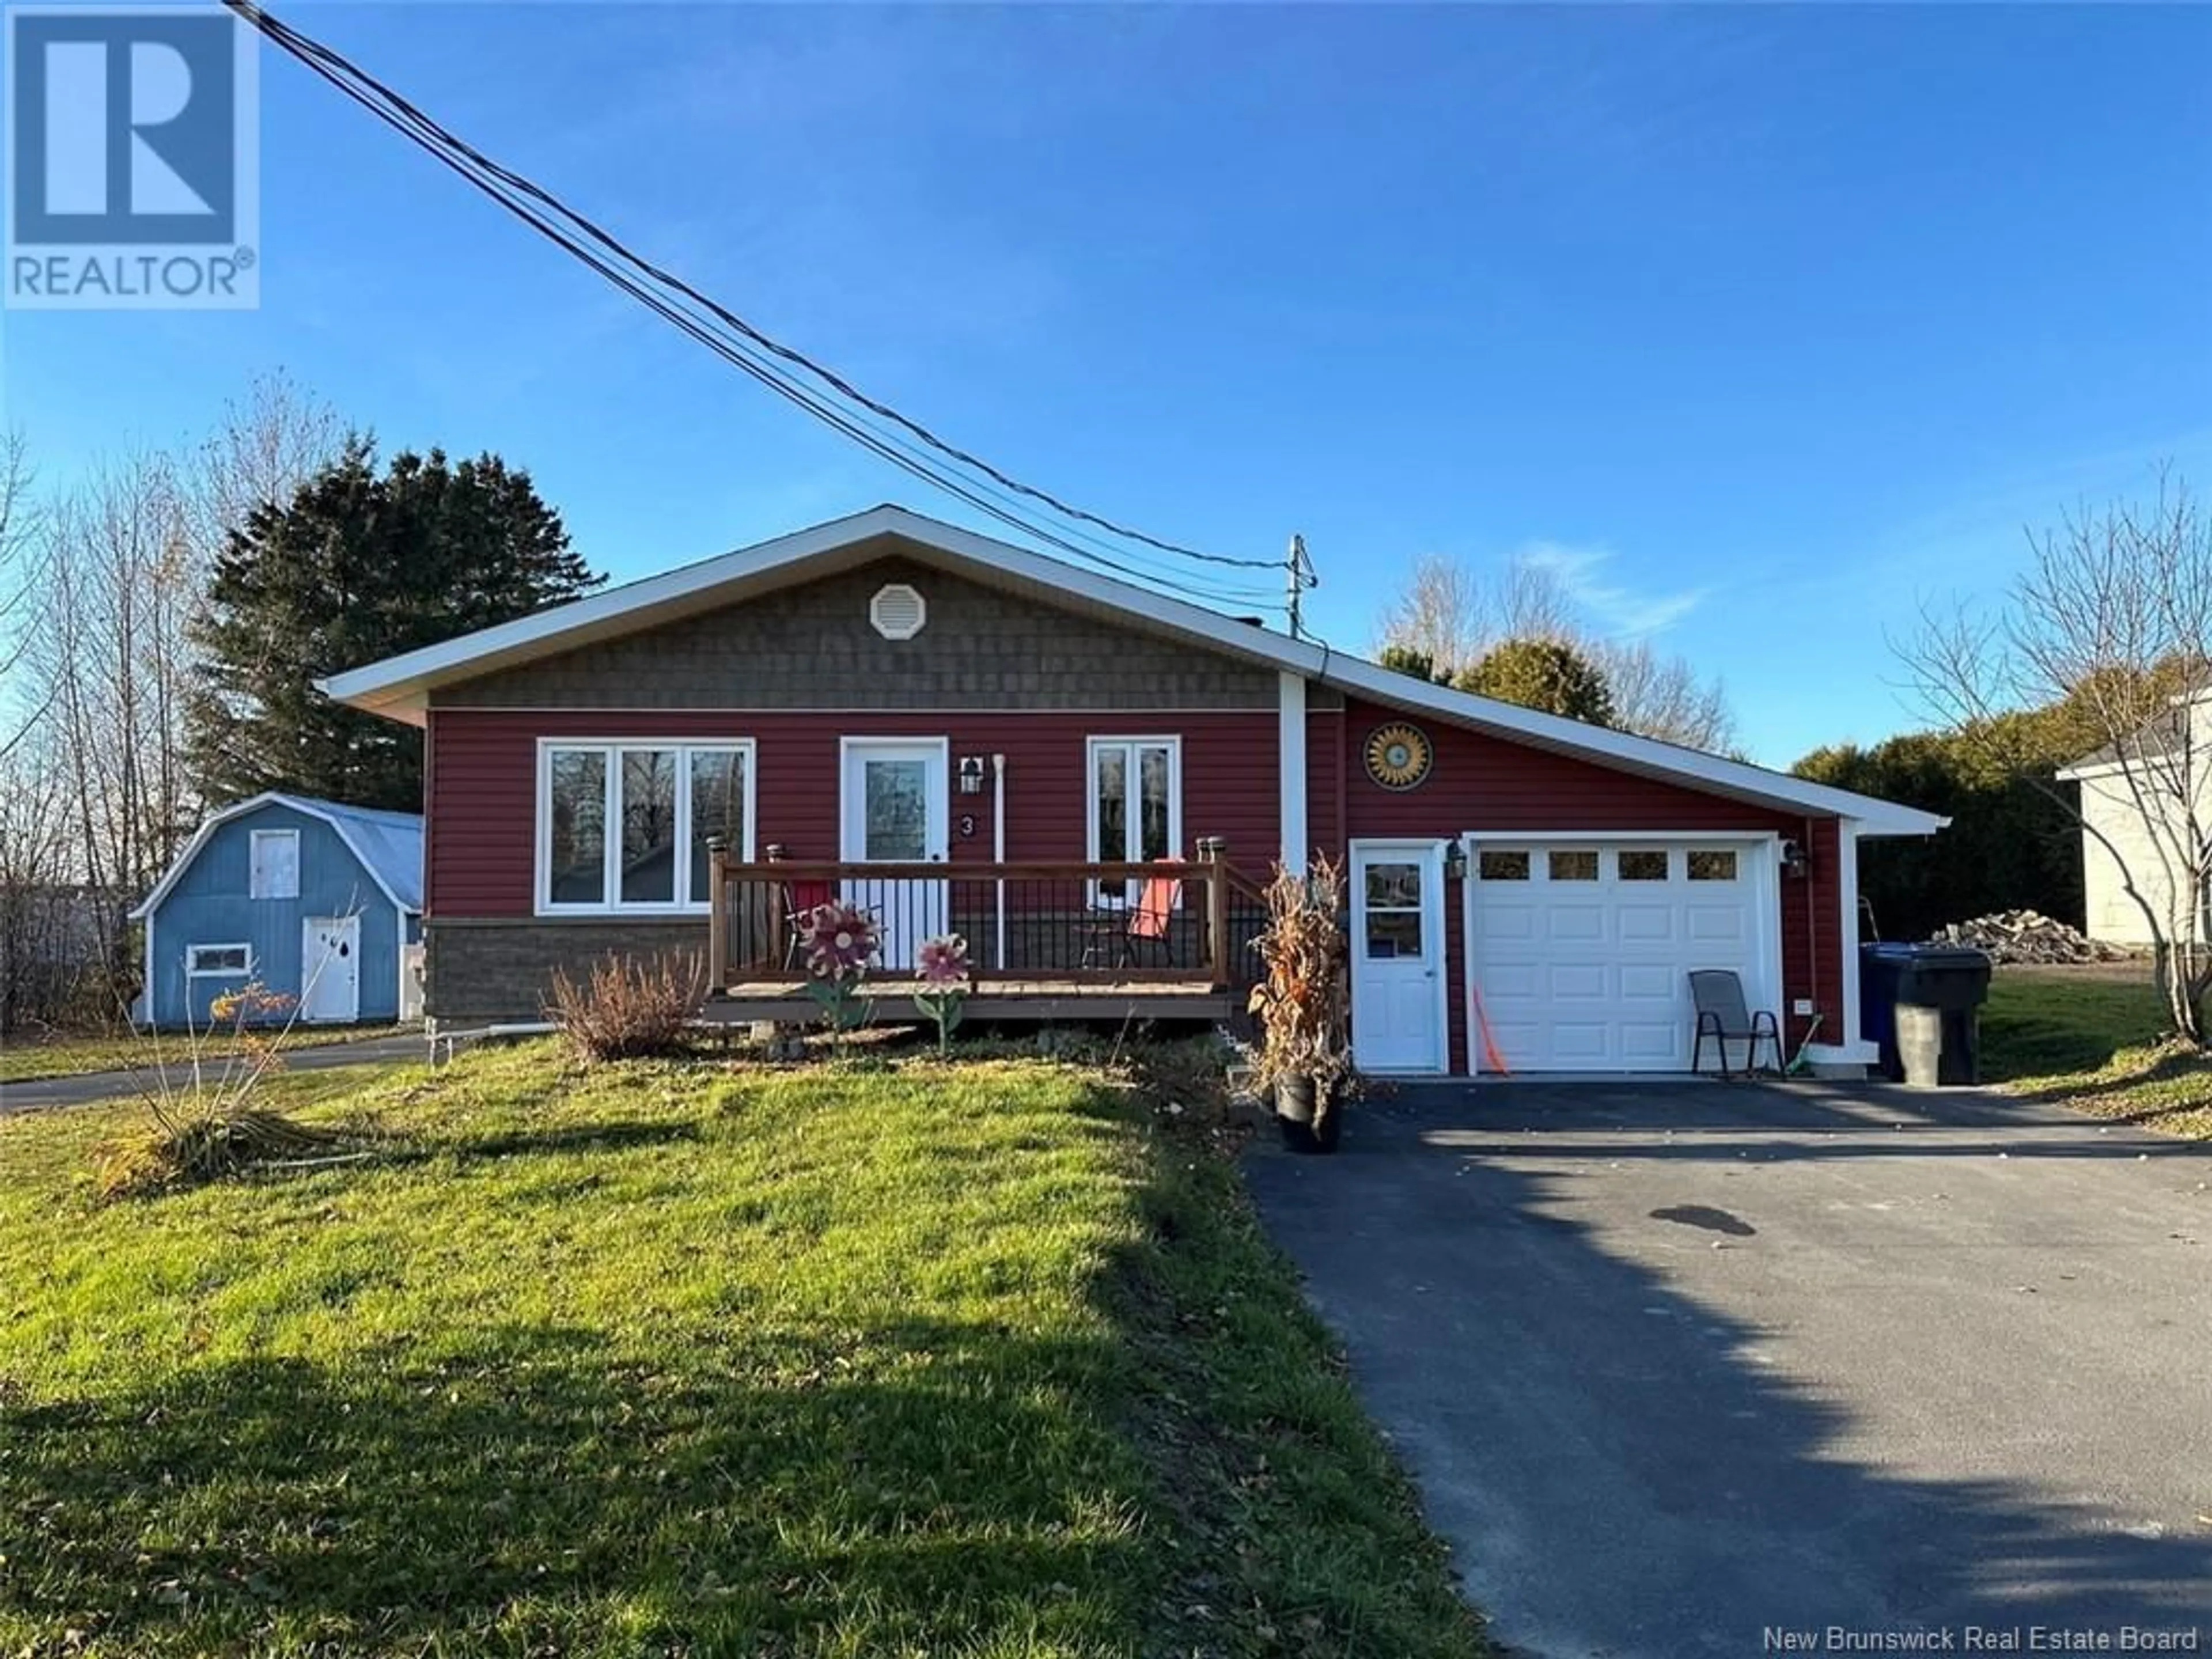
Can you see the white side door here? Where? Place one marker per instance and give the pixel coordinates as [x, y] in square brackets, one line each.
[1398, 956]
[330, 968]
[897, 808]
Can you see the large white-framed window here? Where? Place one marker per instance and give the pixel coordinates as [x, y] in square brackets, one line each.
[1134, 800]
[623, 824]
[273, 864]
[218, 961]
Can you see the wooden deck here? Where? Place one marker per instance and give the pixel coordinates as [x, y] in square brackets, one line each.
[1006, 1002]
[1064, 942]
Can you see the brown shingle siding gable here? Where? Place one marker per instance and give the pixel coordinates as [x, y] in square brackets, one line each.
[813, 646]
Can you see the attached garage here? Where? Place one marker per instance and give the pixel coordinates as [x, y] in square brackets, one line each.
[1531, 895]
[1582, 945]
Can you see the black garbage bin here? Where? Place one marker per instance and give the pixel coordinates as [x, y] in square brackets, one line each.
[1879, 966]
[1940, 992]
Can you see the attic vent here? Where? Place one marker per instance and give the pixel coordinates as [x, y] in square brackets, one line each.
[897, 612]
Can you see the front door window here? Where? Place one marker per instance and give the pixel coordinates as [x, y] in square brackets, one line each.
[1393, 911]
[898, 823]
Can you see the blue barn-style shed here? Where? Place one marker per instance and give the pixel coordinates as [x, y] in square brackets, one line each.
[310, 898]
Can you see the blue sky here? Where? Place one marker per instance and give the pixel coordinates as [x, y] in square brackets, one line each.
[1772, 319]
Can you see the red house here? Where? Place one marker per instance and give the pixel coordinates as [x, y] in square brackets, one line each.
[959, 733]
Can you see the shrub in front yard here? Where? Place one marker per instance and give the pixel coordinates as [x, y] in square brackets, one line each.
[626, 1009]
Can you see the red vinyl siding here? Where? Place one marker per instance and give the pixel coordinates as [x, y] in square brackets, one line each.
[482, 785]
[1478, 781]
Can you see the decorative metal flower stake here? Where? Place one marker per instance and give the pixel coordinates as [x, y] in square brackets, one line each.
[942, 966]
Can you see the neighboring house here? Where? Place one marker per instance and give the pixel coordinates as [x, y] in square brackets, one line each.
[2133, 823]
[309, 898]
[888, 685]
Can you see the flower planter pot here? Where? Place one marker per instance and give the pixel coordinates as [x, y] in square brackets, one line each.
[1306, 1117]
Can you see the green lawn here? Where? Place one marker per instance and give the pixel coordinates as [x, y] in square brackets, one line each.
[689, 1359]
[2094, 1043]
[22, 1059]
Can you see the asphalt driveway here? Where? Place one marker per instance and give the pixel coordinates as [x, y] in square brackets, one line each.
[1689, 1369]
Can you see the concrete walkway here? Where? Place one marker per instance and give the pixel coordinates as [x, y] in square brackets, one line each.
[391, 1050]
[1689, 1370]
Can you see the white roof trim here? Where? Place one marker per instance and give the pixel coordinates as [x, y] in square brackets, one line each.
[398, 686]
[216, 820]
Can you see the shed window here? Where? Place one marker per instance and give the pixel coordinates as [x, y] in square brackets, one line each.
[1712, 864]
[1136, 804]
[624, 826]
[227, 960]
[1644, 865]
[1579, 863]
[274, 864]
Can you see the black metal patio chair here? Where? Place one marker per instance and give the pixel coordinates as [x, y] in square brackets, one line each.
[1721, 1015]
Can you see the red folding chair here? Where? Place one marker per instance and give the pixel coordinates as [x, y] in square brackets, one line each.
[1120, 929]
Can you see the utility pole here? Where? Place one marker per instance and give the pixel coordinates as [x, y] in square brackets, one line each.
[1298, 574]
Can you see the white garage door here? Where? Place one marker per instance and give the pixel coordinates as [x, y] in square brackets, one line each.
[1582, 950]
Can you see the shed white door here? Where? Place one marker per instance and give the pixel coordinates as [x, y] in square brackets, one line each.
[1582, 950]
[897, 810]
[330, 968]
[1398, 956]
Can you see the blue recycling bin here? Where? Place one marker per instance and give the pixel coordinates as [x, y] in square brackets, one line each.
[1920, 1006]
[1881, 965]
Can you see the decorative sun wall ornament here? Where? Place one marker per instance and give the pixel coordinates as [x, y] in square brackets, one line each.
[1398, 754]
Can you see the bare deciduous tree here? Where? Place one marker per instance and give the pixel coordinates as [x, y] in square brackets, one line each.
[22, 569]
[270, 441]
[1530, 601]
[2110, 623]
[1661, 696]
[110, 654]
[1447, 614]
[1442, 614]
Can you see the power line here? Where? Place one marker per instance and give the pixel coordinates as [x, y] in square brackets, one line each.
[602, 252]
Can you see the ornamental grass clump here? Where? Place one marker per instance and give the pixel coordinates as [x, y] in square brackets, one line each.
[628, 1009]
[1301, 998]
[942, 967]
[202, 1123]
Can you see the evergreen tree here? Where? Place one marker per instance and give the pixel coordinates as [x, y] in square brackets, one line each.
[1543, 674]
[360, 565]
[1408, 659]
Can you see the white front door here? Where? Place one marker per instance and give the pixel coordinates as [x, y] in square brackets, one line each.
[330, 968]
[897, 810]
[1398, 956]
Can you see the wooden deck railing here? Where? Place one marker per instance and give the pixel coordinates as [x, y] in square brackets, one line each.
[1079, 923]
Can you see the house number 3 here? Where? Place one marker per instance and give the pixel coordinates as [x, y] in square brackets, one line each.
[966, 825]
